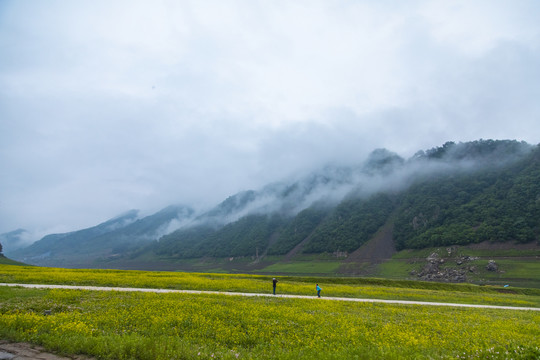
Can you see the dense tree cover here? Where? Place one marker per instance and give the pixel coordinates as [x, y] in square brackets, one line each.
[487, 150]
[183, 243]
[350, 224]
[495, 204]
[298, 229]
[494, 195]
[343, 228]
[246, 237]
[382, 161]
[231, 204]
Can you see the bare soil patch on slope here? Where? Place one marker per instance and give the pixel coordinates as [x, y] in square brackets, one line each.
[378, 249]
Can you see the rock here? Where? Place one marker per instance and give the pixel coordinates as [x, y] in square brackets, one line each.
[432, 268]
[433, 258]
[432, 272]
[492, 266]
[6, 356]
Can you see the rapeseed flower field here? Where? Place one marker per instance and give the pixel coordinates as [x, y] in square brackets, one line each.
[135, 325]
[122, 325]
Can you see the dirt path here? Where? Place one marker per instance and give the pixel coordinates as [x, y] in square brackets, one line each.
[403, 302]
[25, 351]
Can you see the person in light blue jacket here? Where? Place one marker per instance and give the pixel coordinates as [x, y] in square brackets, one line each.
[318, 290]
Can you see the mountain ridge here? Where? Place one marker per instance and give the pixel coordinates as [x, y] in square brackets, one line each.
[337, 209]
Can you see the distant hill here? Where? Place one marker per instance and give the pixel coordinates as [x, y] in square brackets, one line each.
[459, 193]
[121, 234]
[14, 240]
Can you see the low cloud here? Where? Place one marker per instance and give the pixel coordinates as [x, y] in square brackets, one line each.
[106, 107]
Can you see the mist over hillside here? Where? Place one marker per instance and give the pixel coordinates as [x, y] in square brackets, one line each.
[16, 239]
[119, 234]
[332, 209]
[338, 208]
[382, 171]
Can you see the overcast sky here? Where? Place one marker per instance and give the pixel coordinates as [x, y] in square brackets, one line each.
[111, 105]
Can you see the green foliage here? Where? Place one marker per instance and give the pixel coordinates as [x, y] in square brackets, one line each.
[245, 237]
[182, 243]
[304, 267]
[351, 224]
[499, 204]
[297, 230]
[6, 261]
[343, 228]
[494, 195]
[486, 150]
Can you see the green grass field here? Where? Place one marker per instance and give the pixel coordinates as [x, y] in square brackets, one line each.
[6, 261]
[304, 267]
[518, 268]
[122, 325]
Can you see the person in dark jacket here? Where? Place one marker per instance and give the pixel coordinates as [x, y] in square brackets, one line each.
[274, 284]
[318, 290]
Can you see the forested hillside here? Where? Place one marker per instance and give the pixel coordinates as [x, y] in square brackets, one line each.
[499, 203]
[455, 194]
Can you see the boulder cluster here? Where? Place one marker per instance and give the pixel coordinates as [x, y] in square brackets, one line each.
[439, 269]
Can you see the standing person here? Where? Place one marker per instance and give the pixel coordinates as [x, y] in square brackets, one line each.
[318, 290]
[274, 284]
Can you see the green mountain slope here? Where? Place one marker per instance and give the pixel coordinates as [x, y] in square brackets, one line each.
[495, 204]
[456, 194]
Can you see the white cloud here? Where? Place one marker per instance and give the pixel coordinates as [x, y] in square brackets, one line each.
[110, 105]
